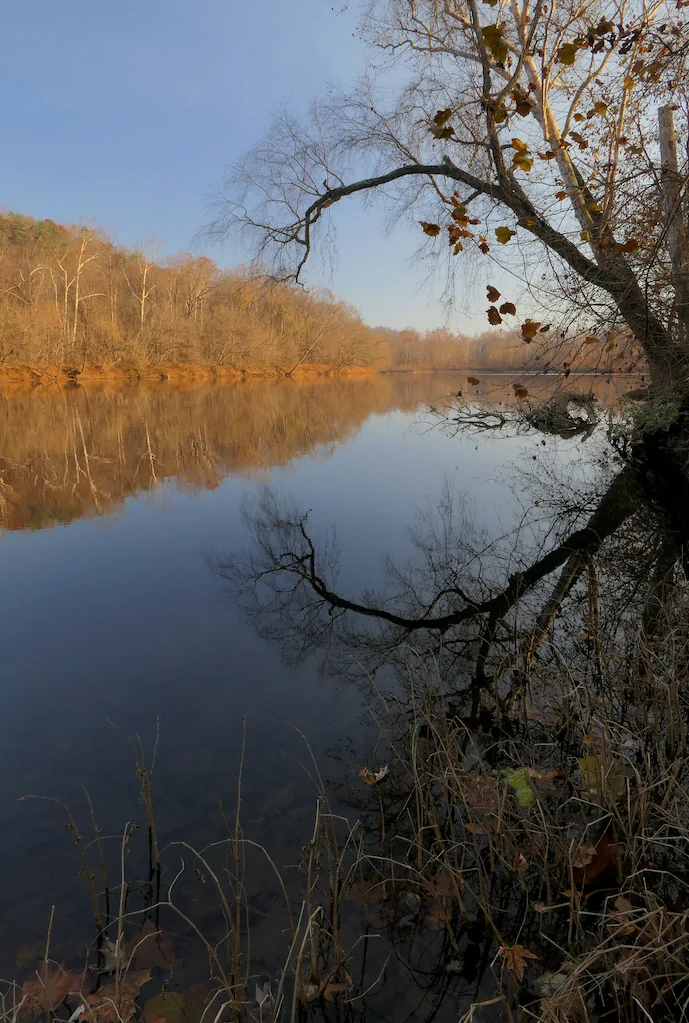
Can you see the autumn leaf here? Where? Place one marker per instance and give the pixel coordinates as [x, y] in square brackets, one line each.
[585, 236]
[520, 146]
[52, 986]
[494, 316]
[522, 162]
[579, 118]
[503, 234]
[567, 54]
[152, 947]
[474, 381]
[631, 245]
[591, 340]
[520, 392]
[508, 309]
[492, 294]
[176, 1006]
[442, 117]
[523, 107]
[584, 855]
[620, 921]
[494, 39]
[561, 195]
[432, 230]
[530, 329]
[440, 129]
[372, 777]
[579, 139]
[117, 1004]
[548, 155]
[516, 958]
[499, 110]
[545, 329]
[443, 133]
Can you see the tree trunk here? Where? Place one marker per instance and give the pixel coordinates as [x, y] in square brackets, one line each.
[675, 224]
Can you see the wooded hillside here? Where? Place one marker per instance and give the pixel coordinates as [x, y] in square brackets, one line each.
[69, 297]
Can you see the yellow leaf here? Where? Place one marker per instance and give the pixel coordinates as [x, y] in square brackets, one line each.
[503, 234]
[432, 230]
[520, 146]
[518, 781]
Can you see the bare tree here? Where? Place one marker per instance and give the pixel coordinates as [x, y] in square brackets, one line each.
[517, 121]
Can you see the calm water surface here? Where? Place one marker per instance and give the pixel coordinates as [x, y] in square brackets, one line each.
[110, 617]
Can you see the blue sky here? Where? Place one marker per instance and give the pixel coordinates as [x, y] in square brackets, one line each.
[128, 113]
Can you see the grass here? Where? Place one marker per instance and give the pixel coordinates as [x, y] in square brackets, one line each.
[544, 840]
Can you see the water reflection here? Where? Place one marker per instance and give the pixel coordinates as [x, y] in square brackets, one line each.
[76, 452]
[530, 689]
[519, 630]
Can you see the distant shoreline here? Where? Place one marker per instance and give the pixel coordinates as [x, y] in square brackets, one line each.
[126, 374]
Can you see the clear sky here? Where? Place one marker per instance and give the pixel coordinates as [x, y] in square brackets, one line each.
[128, 113]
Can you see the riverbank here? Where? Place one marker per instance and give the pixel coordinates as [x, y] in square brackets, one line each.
[27, 376]
[128, 373]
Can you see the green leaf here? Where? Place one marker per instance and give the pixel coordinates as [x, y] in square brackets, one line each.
[518, 781]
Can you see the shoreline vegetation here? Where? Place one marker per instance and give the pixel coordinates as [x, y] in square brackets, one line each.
[75, 306]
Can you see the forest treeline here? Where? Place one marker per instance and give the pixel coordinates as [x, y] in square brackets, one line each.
[69, 297]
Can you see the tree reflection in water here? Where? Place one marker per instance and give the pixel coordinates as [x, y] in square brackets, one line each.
[529, 848]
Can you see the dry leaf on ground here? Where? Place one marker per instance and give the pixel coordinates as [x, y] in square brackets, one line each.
[110, 1004]
[152, 947]
[584, 855]
[51, 986]
[516, 958]
[371, 777]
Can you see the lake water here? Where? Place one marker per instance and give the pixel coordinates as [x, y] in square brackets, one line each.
[112, 503]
